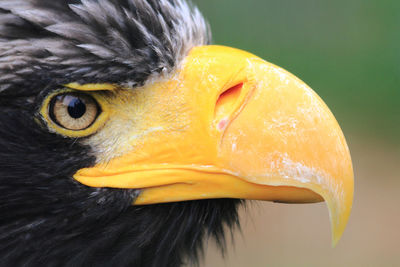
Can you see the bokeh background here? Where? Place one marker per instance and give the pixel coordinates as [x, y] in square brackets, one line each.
[348, 51]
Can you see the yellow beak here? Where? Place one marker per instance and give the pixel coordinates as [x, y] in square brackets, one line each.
[230, 125]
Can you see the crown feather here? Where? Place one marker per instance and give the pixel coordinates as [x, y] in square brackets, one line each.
[118, 41]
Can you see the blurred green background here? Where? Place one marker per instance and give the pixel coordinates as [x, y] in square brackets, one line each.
[348, 51]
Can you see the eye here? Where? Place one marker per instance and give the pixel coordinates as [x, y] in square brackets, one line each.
[74, 111]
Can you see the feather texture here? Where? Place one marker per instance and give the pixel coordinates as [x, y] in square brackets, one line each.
[118, 41]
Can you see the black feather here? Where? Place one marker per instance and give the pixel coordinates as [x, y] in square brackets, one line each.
[114, 41]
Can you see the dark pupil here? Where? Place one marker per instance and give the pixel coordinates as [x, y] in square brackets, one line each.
[76, 108]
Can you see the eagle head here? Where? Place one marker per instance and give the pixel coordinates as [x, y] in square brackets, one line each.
[126, 138]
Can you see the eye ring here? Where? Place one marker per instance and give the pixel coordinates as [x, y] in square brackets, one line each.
[73, 113]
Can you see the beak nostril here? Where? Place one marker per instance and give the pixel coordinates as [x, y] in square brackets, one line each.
[230, 94]
[226, 105]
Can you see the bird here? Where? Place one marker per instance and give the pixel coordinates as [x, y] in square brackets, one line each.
[127, 138]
